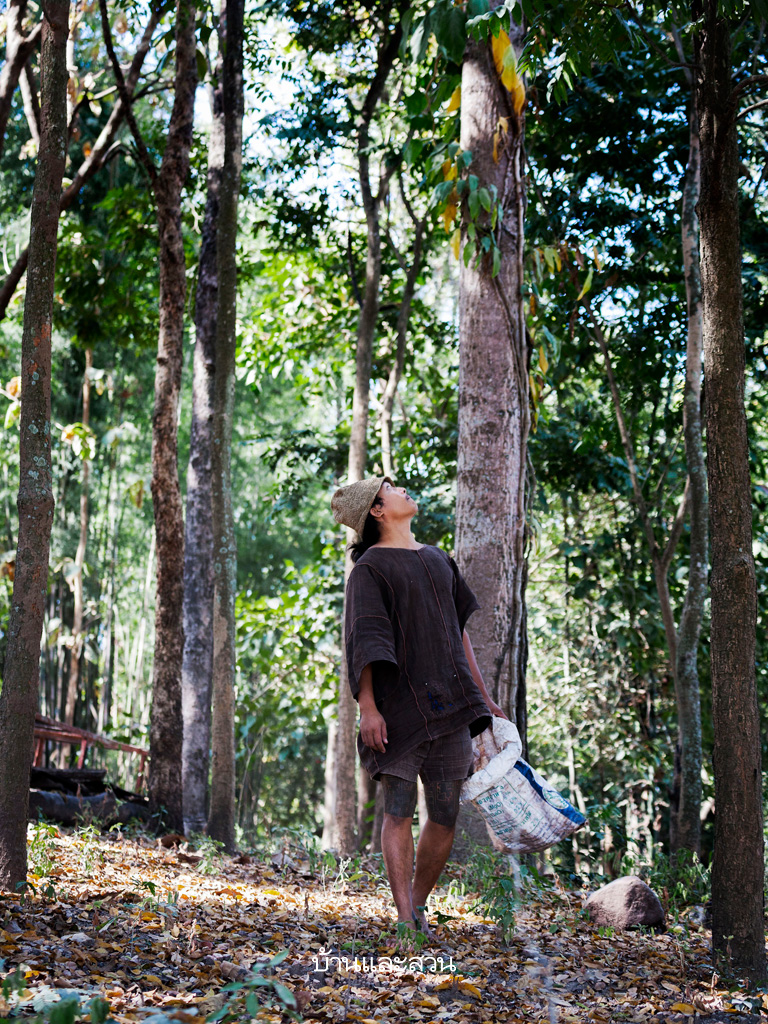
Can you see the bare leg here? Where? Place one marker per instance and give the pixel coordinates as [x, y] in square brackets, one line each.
[435, 841]
[397, 842]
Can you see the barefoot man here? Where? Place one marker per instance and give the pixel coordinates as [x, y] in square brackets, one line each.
[414, 675]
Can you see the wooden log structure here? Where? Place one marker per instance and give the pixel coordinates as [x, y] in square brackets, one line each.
[58, 732]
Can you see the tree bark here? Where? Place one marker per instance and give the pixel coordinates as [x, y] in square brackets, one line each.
[494, 414]
[93, 162]
[18, 48]
[221, 819]
[685, 818]
[165, 735]
[197, 666]
[343, 819]
[77, 583]
[737, 868]
[403, 322]
[18, 699]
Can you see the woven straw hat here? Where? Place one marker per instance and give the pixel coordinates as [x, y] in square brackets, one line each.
[351, 504]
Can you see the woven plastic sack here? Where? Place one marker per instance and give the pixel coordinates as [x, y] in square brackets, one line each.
[522, 812]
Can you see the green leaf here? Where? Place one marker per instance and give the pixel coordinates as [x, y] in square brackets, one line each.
[467, 255]
[485, 199]
[474, 205]
[449, 27]
[202, 65]
[64, 1012]
[285, 995]
[99, 1010]
[474, 181]
[587, 285]
[496, 261]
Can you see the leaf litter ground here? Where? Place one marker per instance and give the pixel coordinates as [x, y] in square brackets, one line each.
[142, 926]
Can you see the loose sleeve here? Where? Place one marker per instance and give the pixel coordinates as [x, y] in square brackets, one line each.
[367, 625]
[464, 599]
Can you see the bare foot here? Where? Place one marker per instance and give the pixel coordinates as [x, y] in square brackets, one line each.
[420, 920]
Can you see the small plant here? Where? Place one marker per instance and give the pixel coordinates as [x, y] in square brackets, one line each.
[499, 902]
[248, 998]
[90, 854]
[211, 853]
[40, 847]
[682, 878]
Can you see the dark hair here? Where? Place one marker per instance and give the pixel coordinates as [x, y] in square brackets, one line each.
[370, 535]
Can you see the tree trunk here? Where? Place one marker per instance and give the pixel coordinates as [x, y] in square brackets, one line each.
[343, 819]
[165, 739]
[18, 48]
[685, 819]
[18, 699]
[494, 415]
[77, 583]
[197, 666]
[92, 163]
[221, 819]
[737, 868]
[396, 371]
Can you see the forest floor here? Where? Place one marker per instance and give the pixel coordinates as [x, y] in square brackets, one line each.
[162, 934]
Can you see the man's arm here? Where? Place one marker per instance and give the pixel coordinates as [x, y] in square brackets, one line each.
[373, 728]
[493, 707]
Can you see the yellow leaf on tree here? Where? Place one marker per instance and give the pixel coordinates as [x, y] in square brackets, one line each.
[456, 242]
[506, 67]
[543, 363]
[455, 101]
[685, 1008]
[450, 171]
[587, 285]
[450, 211]
[499, 45]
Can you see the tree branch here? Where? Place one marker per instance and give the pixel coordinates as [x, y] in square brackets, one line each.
[751, 107]
[125, 96]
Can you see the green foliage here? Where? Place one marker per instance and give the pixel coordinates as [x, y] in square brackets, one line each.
[41, 848]
[247, 998]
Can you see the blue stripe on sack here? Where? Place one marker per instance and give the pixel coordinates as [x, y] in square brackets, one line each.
[569, 811]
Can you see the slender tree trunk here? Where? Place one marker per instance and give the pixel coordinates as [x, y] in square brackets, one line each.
[18, 698]
[685, 819]
[494, 415]
[396, 372]
[737, 868]
[165, 738]
[93, 162]
[343, 819]
[197, 666]
[221, 819]
[18, 48]
[77, 583]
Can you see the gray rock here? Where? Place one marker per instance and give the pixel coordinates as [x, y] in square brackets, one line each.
[626, 903]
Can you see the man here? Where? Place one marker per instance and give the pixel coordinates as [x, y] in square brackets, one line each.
[414, 674]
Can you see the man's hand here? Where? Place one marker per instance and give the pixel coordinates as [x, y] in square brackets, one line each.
[494, 708]
[373, 729]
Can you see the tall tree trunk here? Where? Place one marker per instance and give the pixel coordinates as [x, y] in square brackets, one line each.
[494, 414]
[343, 819]
[165, 740]
[18, 48]
[221, 818]
[685, 819]
[197, 666]
[737, 868]
[77, 583]
[18, 698]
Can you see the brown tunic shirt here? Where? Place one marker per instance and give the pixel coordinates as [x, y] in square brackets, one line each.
[405, 615]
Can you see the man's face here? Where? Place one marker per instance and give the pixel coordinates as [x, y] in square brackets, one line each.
[396, 502]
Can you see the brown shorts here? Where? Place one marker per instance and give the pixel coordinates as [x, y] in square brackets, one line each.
[446, 758]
